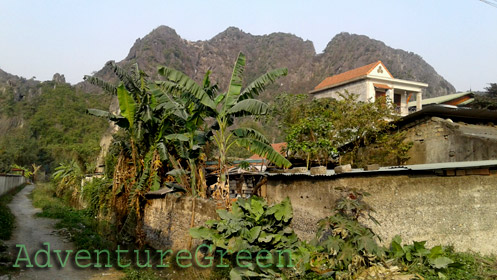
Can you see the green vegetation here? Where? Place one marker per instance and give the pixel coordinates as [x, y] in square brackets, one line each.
[254, 227]
[6, 217]
[343, 248]
[85, 231]
[49, 127]
[326, 130]
[488, 100]
[7, 222]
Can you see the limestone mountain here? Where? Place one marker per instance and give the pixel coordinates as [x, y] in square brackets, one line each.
[163, 46]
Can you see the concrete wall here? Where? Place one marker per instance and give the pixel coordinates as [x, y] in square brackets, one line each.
[8, 182]
[359, 87]
[167, 220]
[459, 211]
[439, 140]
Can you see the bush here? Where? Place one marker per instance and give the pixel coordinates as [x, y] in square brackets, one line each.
[251, 226]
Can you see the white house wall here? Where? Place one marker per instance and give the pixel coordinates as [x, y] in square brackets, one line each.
[358, 87]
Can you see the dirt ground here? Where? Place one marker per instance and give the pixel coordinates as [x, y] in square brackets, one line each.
[32, 232]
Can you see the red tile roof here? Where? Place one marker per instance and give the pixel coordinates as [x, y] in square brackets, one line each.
[350, 75]
[381, 86]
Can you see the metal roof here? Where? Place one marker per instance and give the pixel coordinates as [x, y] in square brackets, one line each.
[441, 99]
[467, 115]
[414, 167]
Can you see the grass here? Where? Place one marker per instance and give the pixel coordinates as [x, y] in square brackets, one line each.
[7, 223]
[467, 266]
[86, 232]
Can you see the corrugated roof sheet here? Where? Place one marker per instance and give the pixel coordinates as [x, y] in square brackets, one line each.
[414, 167]
[441, 99]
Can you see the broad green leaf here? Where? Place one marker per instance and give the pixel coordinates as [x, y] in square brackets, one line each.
[187, 84]
[251, 134]
[201, 233]
[98, 113]
[235, 85]
[441, 262]
[261, 83]
[282, 211]
[257, 207]
[175, 136]
[126, 104]
[264, 150]
[249, 107]
[110, 88]
[436, 252]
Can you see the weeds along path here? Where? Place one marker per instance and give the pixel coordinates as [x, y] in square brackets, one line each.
[32, 231]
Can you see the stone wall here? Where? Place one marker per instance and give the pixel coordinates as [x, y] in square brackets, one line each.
[167, 220]
[440, 140]
[447, 210]
[8, 182]
[458, 210]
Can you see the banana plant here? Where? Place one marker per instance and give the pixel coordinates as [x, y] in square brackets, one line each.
[226, 107]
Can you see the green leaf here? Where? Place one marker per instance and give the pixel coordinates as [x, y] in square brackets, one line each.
[436, 252]
[441, 262]
[178, 137]
[264, 150]
[201, 233]
[282, 211]
[126, 104]
[186, 84]
[252, 234]
[235, 85]
[249, 107]
[261, 83]
[110, 88]
[250, 133]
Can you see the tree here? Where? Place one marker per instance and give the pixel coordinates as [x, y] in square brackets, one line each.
[226, 107]
[488, 101]
[492, 89]
[322, 126]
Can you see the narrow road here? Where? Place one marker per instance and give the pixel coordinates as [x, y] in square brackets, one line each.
[32, 232]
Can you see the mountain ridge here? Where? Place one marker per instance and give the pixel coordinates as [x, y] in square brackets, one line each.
[345, 51]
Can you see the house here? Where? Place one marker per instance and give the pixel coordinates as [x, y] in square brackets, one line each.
[371, 82]
[456, 99]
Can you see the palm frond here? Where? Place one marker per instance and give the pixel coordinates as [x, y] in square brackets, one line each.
[250, 133]
[235, 85]
[264, 150]
[98, 113]
[126, 78]
[246, 107]
[185, 83]
[126, 104]
[261, 83]
[108, 87]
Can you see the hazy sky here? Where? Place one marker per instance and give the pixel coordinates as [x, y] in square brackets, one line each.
[39, 38]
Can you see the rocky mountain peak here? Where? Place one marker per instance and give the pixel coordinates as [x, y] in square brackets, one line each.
[163, 46]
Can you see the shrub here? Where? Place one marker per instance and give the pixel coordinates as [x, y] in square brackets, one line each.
[252, 226]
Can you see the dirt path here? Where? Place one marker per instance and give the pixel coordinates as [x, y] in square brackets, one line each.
[32, 232]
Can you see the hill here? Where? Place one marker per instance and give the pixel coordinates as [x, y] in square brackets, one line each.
[163, 46]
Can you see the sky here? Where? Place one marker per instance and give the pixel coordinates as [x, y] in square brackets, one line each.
[39, 38]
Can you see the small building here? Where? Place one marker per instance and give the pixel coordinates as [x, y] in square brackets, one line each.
[445, 133]
[371, 82]
[456, 99]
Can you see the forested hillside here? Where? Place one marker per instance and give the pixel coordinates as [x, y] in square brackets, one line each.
[45, 123]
